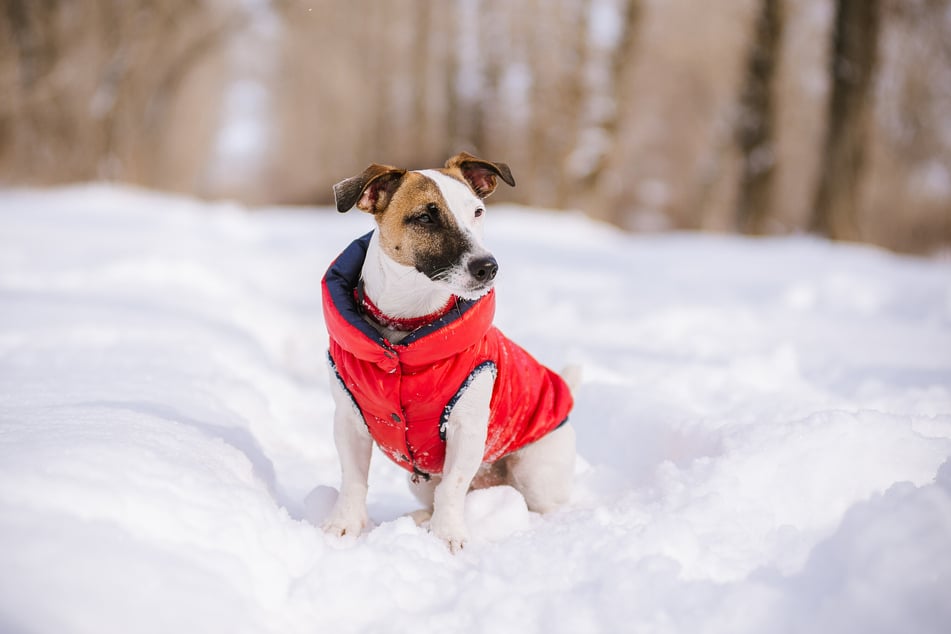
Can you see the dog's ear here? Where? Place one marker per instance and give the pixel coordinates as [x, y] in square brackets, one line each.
[370, 191]
[480, 174]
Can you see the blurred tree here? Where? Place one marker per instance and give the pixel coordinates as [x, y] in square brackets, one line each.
[90, 90]
[756, 120]
[759, 115]
[609, 51]
[852, 67]
[906, 195]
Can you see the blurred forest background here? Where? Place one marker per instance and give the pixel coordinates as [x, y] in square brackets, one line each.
[760, 116]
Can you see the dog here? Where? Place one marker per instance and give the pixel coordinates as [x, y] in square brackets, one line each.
[417, 366]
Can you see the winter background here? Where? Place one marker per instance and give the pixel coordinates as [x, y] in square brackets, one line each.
[764, 424]
[764, 432]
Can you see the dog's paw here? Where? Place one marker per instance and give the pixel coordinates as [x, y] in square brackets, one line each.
[345, 521]
[451, 531]
[455, 544]
[343, 526]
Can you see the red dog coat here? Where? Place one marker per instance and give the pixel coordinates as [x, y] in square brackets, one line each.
[406, 391]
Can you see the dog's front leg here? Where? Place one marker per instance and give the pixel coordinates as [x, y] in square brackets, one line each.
[466, 432]
[354, 447]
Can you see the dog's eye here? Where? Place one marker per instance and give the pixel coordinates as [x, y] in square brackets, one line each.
[479, 212]
[427, 217]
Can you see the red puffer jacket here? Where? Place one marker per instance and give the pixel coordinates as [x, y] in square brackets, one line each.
[406, 391]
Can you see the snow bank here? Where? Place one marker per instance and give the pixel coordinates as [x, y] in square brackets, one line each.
[764, 432]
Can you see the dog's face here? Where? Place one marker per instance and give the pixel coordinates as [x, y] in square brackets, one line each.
[431, 220]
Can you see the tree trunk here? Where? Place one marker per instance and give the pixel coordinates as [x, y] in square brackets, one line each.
[756, 120]
[855, 41]
[607, 124]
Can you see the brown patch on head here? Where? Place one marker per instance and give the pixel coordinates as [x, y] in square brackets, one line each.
[418, 229]
[478, 173]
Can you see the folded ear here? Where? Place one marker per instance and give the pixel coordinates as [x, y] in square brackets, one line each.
[370, 191]
[480, 174]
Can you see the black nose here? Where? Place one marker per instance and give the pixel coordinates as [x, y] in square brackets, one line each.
[484, 269]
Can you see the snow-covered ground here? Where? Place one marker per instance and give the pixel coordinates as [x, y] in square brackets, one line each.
[764, 433]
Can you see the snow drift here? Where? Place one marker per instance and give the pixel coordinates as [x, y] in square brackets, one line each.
[764, 433]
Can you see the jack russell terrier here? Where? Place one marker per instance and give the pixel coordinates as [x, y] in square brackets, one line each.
[417, 365]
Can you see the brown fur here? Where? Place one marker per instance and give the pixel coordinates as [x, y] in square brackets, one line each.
[429, 248]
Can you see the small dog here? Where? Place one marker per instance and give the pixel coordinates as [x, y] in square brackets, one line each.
[417, 365]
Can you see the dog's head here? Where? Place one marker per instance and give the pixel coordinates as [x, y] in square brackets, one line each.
[431, 220]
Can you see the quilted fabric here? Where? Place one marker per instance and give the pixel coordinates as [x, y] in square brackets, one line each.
[406, 391]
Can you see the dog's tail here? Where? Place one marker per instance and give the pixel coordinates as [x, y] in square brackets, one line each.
[572, 375]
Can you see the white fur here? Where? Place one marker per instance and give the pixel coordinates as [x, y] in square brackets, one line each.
[354, 446]
[399, 290]
[465, 444]
[463, 204]
[542, 471]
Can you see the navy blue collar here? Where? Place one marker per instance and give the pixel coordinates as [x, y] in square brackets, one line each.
[343, 277]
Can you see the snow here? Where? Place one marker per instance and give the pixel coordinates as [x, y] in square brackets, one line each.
[764, 433]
